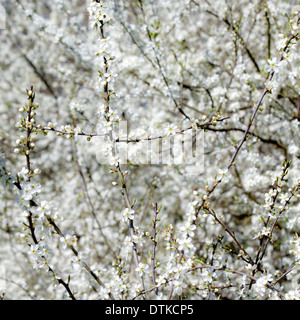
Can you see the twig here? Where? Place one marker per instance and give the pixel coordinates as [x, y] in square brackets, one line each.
[265, 91]
[154, 222]
[93, 211]
[204, 125]
[284, 274]
[120, 173]
[213, 214]
[31, 96]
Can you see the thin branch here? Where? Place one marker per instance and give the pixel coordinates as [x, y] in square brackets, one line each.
[285, 274]
[154, 222]
[232, 235]
[265, 91]
[204, 125]
[90, 203]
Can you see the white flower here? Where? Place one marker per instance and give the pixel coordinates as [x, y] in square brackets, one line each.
[288, 56]
[178, 286]
[46, 251]
[127, 214]
[98, 12]
[170, 130]
[138, 239]
[188, 229]
[284, 197]
[185, 243]
[100, 270]
[77, 261]
[273, 65]
[191, 213]
[206, 276]
[194, 123]
[104, 42]
[101, 111]
[281, 43]
[161, 280]
[77, 130]
[115, 160]
[109, 77]
[261, 284]
[142, 269]
[222, 174]
[23, 174]
[52, 125]
[293, 295]
[30, 190]
[269, 198]
[44, 208]
[107, 126]
[38, 262]
[68, 240]
[113, 115]
[104, 292]
[295, 251]
[263, 232]
[35, 250]
[24, 216]
[179, 271]
[108, 147]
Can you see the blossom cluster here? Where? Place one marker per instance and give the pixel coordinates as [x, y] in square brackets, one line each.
[78, 221]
